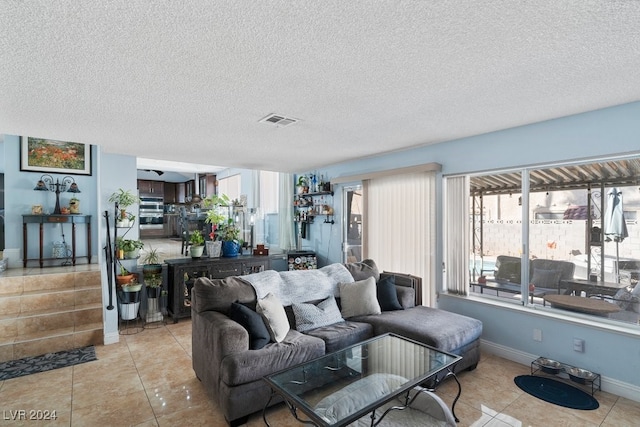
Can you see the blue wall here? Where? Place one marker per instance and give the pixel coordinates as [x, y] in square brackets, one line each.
[19, 197]
[612, 351]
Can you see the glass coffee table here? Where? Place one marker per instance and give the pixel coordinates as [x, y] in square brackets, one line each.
[341, 387]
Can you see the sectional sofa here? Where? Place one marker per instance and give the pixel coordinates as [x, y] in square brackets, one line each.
[302, 315]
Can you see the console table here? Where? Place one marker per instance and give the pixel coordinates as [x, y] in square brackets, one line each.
[183, 272]
[72, 219]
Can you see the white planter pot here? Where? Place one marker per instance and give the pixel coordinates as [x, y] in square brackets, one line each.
[196, 251]
[129, 311]
[214, 248]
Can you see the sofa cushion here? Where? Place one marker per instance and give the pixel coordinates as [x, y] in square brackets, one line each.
[310, 316]
[219, 294]
[342, 334]
[545, 278]
[272, 310]
[387, 294]
[438, 328]
[253, 323]
[359, 298]
[509, 270]
[246, 366]
[363, 270]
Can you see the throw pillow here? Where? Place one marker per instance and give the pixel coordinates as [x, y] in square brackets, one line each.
[253, 323]
[359, 298]
[363, 270]
[546, 278]
[274, 316]
[387, 294]
[310, 316]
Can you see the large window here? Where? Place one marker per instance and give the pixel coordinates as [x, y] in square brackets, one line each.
[555, 237]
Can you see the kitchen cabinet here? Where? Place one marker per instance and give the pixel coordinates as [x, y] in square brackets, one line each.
[152, 188]
[183, 272]
[170, 194]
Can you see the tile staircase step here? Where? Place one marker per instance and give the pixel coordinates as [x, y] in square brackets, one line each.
[45, 313]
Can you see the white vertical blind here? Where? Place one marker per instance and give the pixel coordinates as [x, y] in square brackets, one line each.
[400, 226]
[456, 234]
[231, 186]
[285, 212]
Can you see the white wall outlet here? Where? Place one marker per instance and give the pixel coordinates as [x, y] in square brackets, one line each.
[537, 335]
[578, 345]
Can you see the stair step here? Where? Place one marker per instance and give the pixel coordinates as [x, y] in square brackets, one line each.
[46, 321]
[49, 312]
[56, 340]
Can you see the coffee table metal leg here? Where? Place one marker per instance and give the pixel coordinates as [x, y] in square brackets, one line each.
[453, 405]
[292, 409]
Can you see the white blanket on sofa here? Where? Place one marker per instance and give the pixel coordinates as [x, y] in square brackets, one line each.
[300, 285]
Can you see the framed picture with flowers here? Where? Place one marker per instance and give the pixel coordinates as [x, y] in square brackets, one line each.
[49, 155]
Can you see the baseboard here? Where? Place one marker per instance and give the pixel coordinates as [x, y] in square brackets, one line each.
[111, 338]
[610, 385]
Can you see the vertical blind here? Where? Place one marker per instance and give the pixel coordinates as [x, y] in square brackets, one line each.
[399, 226]
[456, 235]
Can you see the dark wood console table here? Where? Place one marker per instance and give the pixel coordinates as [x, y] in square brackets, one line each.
[183, 272]
[55, 219]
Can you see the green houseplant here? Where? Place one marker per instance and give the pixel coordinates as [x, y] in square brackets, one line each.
[124, 199]
[130, 247]
[151, 263]
[197, 243]
[229, 233]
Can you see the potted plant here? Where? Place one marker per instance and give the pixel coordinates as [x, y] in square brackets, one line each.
[197, 243]
[124, 199]
[153, 283]
[215, 217]
[130, 247]
[129, 299]
[124, 277]
[151, 262]
[229, 233]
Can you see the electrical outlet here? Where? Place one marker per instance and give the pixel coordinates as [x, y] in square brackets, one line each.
[537, 335]
[578, 345]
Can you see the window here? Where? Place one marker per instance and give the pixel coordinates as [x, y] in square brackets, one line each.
[559, 237]
[231, 186]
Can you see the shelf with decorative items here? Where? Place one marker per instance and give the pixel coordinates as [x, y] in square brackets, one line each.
[308, 206]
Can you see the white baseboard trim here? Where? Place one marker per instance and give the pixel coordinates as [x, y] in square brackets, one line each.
[111, 338]
[610, 385]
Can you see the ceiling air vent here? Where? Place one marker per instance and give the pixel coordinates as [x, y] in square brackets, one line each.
[277, 120]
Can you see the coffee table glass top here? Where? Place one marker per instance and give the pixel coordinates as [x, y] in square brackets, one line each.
[341, 387]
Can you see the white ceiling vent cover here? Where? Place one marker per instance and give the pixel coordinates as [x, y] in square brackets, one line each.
[278, 120]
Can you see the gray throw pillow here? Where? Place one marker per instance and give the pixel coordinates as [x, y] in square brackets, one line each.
[309, 316]
[363, 270]
[359, 298]
[274, 316]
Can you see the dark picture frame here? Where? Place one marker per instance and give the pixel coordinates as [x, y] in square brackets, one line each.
[49, 155]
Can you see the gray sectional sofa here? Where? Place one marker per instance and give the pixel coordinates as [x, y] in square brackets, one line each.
[231, 358]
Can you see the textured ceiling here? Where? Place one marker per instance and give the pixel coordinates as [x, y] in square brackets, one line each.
[189, 81]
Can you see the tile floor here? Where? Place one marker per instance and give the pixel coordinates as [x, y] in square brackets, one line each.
[146, 380]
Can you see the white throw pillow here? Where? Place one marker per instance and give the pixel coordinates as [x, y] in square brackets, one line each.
[272, 310]
[359, 298]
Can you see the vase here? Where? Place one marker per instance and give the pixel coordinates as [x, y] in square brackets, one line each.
[196, 251]
[230, 248]
[129, 303]
[213, 248]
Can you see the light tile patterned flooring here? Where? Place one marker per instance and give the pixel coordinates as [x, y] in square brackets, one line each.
[147, 380]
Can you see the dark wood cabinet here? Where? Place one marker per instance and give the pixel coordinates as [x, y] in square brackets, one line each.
[152, 188]
[183, 273]
[170, 193]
